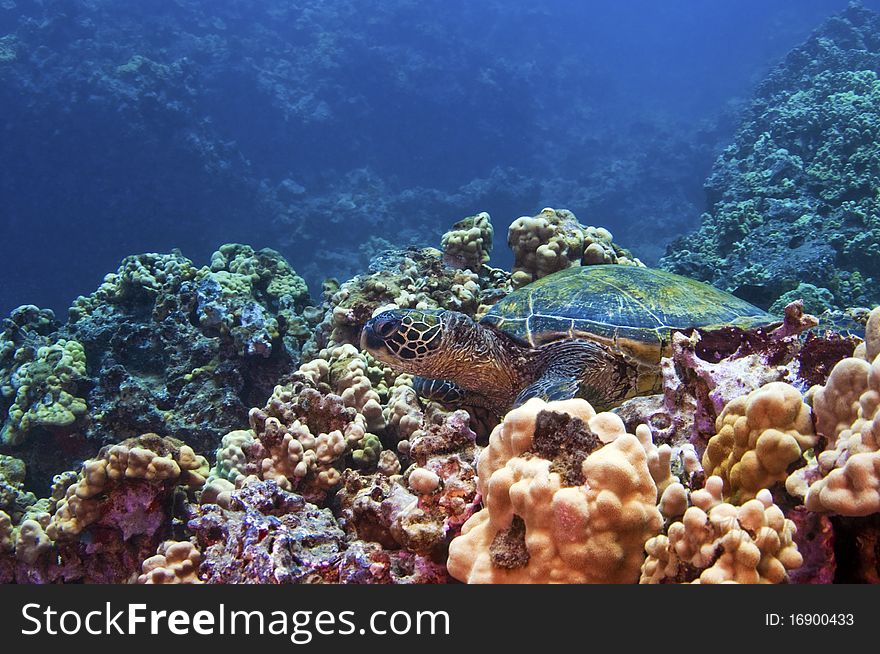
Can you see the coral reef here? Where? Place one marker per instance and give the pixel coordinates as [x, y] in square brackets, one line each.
[345, 475]
[793, 201]
[101, 524]
[141, 82]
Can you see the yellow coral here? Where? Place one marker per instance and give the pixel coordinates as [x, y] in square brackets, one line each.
[46, 391]
[759, 436]
[31, 541]
[147, 457]
[174, 563]
[539, 526]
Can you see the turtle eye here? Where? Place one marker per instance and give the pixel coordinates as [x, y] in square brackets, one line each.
[386, 327]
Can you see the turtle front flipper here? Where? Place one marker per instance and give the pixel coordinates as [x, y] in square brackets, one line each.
[552, 386]
[442, 391]
[583, 369]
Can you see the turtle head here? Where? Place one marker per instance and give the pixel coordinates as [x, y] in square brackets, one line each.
[422, 342]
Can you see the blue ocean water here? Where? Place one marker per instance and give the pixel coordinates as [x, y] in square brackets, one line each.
[318, 128]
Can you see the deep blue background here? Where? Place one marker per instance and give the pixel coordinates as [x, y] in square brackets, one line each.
[311, 127]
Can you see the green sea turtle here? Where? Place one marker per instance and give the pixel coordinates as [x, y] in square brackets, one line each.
[596, 332]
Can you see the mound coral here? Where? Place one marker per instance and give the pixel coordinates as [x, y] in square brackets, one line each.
[160, 462]
[469, 243]
[719, 542]
[759, 436]
[48, 388]
[308, 431]
[554, 240]
[100, 524]
[569, 498]
[844, 478]
[422, 510]
[301, 440]
[174, 563]
[14, 499]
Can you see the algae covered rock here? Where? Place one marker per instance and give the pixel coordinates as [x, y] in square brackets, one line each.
[794, 199]
[161, 346]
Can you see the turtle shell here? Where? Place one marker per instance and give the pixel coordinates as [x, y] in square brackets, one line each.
[629, 308]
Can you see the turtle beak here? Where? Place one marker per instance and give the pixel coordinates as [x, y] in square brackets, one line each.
[370, 341]
[374, 335]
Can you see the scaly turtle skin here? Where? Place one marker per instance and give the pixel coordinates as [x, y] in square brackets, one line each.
[596, 332]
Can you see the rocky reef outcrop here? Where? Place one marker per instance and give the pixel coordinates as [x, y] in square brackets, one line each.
[161, 346]
[793, 205]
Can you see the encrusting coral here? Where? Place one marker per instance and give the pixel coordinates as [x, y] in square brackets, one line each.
[14, 499]
[150, 458]
[707, 371]
[569, 499]
[47, 389]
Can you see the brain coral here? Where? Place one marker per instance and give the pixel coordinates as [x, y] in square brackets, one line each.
[569, 499]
